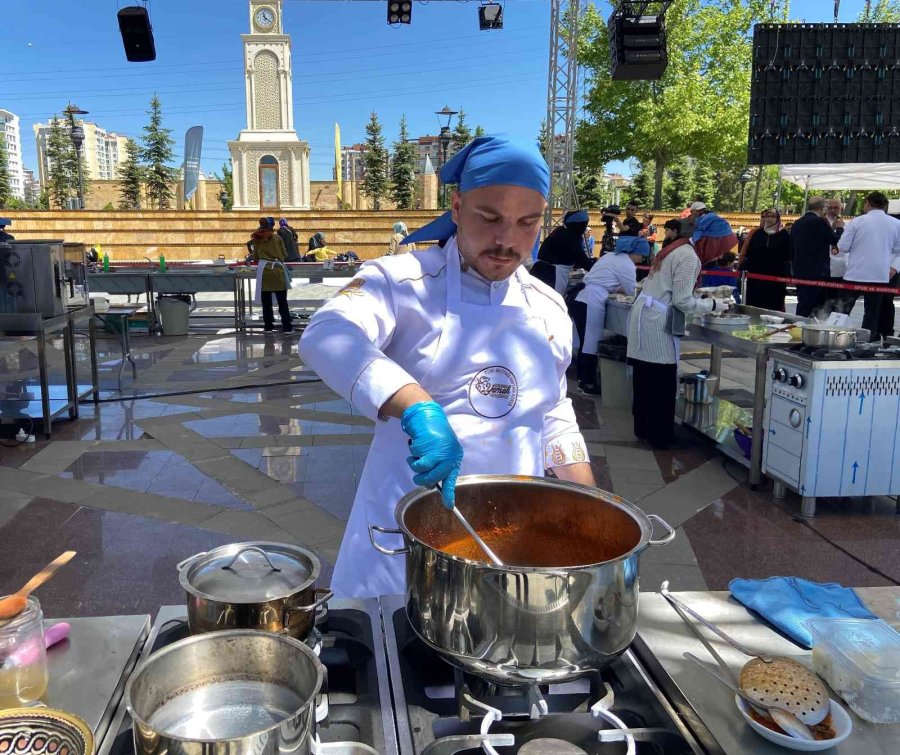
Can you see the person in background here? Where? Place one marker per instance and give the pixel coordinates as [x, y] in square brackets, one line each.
[589, 241]
[813, 238]
[872, 244]
[396, 245]
[648, 231]
[655, 327]
[836, 299]
[4, 236]
[563, 251]
[288, 237]
[263, 224]
[712, 237]
[317, 250]
[630, 225]
[767, 250]
[611, 273]
[272, 277]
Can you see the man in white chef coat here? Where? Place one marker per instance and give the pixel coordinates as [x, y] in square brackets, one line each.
[456, 351]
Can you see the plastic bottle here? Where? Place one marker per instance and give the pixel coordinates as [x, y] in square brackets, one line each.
[162, 263]
[105, 262]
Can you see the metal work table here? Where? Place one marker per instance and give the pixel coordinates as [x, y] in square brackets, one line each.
[116, 319]
[705, 704]
[53, 403]
[88, 671]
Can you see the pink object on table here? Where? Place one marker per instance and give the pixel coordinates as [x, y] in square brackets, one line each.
[28, 654]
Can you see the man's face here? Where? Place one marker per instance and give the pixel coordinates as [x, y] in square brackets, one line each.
[630, 210]
[833, 209]
[497, 226]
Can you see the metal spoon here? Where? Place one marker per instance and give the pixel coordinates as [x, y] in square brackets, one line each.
[787, 721]
[13, 605]
[471, 530]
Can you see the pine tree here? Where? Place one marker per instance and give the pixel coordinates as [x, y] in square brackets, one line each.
[5, 188]
[131, 177]
[641, 190]
[462, 134]
[679, 190]
[227, 179]
[156, 155]
[60, 156]
[403, 170]
[543, 141]
[479, 131]
[375, 183]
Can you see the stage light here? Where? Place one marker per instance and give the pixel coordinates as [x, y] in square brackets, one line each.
[399, 12]
[490, 16]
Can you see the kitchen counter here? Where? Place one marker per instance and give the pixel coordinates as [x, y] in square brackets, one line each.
[663, 637]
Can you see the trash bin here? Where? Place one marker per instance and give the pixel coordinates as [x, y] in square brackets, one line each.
[174, 314]
[615, 374]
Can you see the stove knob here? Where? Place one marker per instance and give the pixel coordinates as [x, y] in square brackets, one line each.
[780, 375]
[795, 418]
[797, 380]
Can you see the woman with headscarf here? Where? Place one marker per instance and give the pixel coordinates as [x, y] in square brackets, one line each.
[767, 250]
[317, 251]
[288, 237]
[396, 245]
[655, 327]
[272, 277]
[563, 251]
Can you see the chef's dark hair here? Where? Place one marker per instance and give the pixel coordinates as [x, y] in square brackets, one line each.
[674, 224]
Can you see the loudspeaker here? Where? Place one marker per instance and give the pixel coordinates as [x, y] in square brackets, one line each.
[637, 47]
[137, 34]
[825, 93]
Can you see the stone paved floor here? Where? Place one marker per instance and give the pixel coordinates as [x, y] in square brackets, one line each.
[227, 437]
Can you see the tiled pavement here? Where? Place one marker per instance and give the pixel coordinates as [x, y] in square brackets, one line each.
[137, 484]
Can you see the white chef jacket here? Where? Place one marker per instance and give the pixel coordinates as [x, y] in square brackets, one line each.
[390, 310]
[872, 243]
[613, 272]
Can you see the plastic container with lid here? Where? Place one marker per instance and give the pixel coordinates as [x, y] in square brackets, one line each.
[23, 658]
[860, 660]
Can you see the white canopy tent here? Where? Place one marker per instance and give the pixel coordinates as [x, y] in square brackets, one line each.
[847, 176]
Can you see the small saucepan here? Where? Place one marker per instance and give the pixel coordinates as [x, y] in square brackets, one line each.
[828, 336]
[260, 585]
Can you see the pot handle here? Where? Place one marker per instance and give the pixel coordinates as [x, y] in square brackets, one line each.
[181, 564]
[670, 532]
[373, 528]
[255, 549]
[323, 595]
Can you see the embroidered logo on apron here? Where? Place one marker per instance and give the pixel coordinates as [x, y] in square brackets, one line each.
[493, 392]
[353, 288]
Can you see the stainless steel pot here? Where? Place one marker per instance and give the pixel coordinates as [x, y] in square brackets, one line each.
[699, 388]
[259, 585]
[524, 624]
[828, 336]
[228, 693]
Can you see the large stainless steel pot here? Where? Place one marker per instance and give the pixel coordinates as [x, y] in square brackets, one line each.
[259, 585]
[524, 624]
[239, 692]
[828, 336]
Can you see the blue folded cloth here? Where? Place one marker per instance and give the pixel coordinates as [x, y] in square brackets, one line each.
[787, 602]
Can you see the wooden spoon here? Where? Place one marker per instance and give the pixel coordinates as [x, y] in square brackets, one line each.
[13, 605]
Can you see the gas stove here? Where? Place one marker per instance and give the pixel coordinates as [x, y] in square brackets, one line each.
[859, 352]
[353, 712]
[442, 711]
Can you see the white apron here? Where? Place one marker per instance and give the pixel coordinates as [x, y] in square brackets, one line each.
[595, 297]
[494, 373]
[645, 300]
[260, 268]
[562, 278]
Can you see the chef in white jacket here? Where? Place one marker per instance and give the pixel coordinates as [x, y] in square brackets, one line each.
[457, 352]
[613, 272]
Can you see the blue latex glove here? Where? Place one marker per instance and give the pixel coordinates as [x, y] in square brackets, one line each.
[436, 452]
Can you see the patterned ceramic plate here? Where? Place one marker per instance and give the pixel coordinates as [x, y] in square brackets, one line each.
[43, 731]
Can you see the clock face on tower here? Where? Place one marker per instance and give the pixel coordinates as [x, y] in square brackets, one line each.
[264, 18]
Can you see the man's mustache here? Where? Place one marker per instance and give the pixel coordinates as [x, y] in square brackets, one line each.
[502, 252]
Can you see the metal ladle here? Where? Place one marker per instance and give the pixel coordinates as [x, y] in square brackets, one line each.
[471, 530]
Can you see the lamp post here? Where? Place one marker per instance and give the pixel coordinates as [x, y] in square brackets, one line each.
[76, 133]
[744, 178]
[445, 143]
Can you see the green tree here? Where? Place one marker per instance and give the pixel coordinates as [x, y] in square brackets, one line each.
[5, 187]
[592, 189]
[156, 154]
[706, 183]
[131, 178]
[60, 157]
[679, 189]
[881, 12]
[699, 107]
[543, 141]
[375, 183]
[462, 134]
[641, 190]
[479, 131]
[403, 170]
[227, 181]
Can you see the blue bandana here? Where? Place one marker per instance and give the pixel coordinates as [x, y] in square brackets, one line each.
[487, 161]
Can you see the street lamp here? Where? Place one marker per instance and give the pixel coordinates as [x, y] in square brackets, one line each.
[744, 178]
[76, 132]
[445, 143]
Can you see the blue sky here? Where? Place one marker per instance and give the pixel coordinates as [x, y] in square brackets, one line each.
[347, 62]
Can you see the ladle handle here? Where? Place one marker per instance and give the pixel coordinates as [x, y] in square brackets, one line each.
[44, 574]
[476, 537]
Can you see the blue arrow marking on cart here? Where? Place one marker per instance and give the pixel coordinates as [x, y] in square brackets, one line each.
[855, 467]
[862, 398]
[771, 430]
[802, 489]
[808, 423]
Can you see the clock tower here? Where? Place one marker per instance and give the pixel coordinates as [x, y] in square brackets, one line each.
[270, 163]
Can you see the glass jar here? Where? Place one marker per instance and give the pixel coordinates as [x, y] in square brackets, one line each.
[23, 658]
